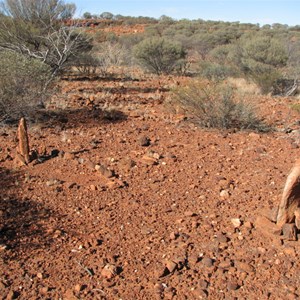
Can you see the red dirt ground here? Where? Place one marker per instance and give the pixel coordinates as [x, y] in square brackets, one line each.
[153, 219]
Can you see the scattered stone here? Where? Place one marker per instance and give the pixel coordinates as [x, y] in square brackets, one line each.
[236, 222]
[109, 271]
[44, 290]
[266, 226]
[69, 156]
[104, 171]
[224, 194]
[290, 200]
[208, 262]
[232, 286]
[149, 161]
[78, 288]
[158, 290]
[225, 264]
[200, 293]
[69, 295]
[162, 271]
[52, 182]
[93, 187]
[261, 250]
[144, 141]
[203, 284]
[173, 235]
[222, 238]
[289, 251]
[169, 292]
[190, 214]
[153, 154]
[39, 275]
[193, 260]
[254, 135]
[270, 213]
[289, 232]
[115, 184]
[248, 225]
[127, 163]
[244, 267]
[171, 266]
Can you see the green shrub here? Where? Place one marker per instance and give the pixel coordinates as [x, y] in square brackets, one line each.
[22, 84]
[159, 55]
[215, 105]
[215, 71]
[260, 58]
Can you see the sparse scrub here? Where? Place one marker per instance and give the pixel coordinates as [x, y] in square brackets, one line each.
[159, 55]
[215, 71]
[215, 105]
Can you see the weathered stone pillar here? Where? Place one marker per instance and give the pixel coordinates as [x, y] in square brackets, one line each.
[23, 141]
[290, 201]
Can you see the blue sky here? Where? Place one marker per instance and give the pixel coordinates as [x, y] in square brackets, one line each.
[245, 11]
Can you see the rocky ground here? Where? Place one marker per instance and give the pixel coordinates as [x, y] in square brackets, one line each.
[129, 201]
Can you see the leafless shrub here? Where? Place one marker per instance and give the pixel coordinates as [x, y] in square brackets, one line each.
[110, 54]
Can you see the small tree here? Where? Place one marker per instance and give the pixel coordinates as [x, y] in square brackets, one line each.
[159, 55]
[35, 29]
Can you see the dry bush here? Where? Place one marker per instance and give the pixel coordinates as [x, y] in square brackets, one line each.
[111, 54]
[87, 64]
[22, 84]
[160, 56]
[244, 87]
[216, 105]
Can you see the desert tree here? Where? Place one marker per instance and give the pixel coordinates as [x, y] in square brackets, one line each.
[106, 15]
[35, 46]
[37, 29]
[87, 15]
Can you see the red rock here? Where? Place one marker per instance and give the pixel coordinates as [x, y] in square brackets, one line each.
[297, 217]
[208, 262]
[109, 271]
[78, 288]
[290, 200]
[236, 222]
[144, 141]
[104, 171]
[289, 232]
[264, 225]
[232, 286]
[149, 161]
[69, 156]
[171, 266]
[244, 267]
